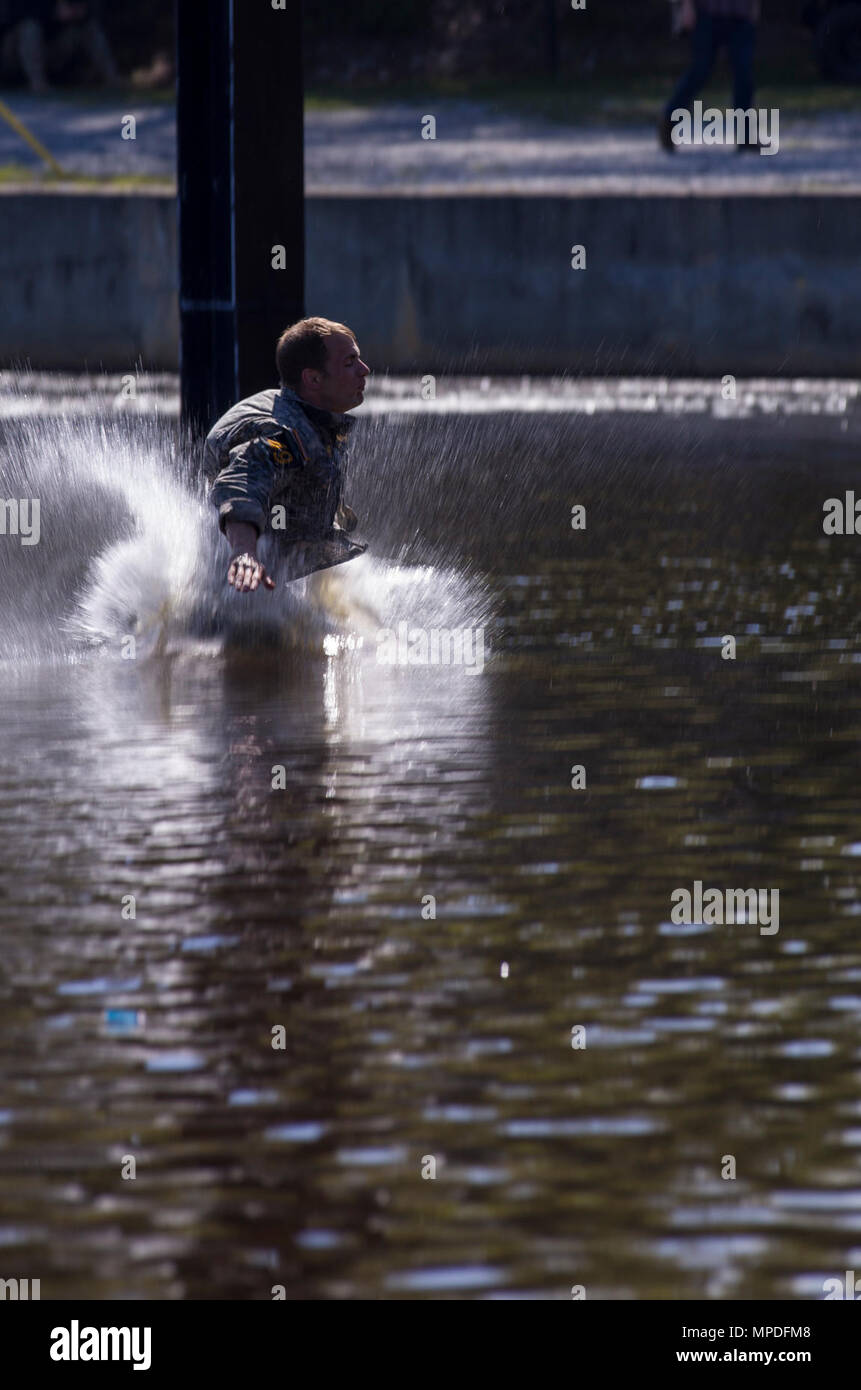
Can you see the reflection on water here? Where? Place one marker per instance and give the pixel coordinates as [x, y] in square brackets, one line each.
[145, 1028]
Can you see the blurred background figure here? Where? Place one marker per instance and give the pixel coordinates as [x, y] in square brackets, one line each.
[43, 39]
[713, 25]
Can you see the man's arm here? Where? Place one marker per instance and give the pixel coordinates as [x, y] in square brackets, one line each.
[687, 16]
[242, 492]
[684, 16]
[245, 572]
[71, 11]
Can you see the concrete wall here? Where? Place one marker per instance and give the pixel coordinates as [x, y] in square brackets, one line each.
[746, 285]
[88, 280]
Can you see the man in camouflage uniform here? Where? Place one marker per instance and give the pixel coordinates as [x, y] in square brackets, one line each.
[277, 460]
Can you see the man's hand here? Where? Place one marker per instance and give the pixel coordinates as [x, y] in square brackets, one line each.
[68, 12]
[246, 573]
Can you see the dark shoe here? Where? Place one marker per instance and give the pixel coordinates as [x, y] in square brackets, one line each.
[665, 134]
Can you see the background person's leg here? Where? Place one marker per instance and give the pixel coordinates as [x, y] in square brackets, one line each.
[704, 47]
[742, 43]
[98, 50]
[24, 52]
[9, 66]
[87, 43]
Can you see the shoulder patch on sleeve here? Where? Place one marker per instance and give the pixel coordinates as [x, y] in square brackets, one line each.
[282, 454]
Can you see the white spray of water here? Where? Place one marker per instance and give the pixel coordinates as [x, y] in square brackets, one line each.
[130, 548]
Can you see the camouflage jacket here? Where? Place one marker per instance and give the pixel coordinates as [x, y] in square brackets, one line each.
[278, 463]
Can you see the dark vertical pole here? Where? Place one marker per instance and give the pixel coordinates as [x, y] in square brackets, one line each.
[240, 181]
[206, 297]
[270, 173]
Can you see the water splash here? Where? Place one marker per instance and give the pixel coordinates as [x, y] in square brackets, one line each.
[129, 548]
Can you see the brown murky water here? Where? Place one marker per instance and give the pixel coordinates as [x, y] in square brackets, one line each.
[405, 1038]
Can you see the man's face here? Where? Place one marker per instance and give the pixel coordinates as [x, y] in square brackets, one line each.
[341, 387]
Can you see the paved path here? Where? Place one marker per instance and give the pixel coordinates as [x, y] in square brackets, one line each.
[477, 150]
[85, 137]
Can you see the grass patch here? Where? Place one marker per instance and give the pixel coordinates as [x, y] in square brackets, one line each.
[42, 178]
[15, 173]
[593, 101]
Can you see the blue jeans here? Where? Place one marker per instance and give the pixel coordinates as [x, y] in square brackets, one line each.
[710, 34]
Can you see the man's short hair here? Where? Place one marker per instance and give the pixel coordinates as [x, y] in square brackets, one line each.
[303, 345]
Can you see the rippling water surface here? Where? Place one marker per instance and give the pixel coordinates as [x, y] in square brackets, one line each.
[306, 908]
